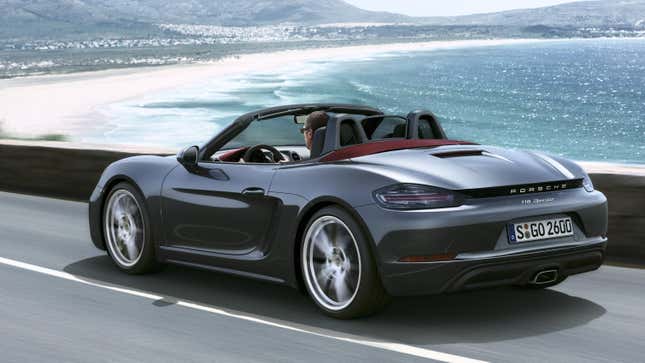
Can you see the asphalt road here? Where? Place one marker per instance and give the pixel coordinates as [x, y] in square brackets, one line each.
[62, 300]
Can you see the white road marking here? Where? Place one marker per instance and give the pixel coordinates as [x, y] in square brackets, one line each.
[390, 346]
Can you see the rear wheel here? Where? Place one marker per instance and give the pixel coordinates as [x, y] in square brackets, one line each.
[126, 230]
[338, 267]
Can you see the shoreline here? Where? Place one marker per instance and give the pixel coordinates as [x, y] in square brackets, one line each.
[65, 104]
[382, 48]
[70, 104]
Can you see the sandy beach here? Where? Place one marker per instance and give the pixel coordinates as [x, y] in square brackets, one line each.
[69, 104]
[66, 104]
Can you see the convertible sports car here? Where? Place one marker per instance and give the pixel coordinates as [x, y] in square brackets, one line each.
[380, 206]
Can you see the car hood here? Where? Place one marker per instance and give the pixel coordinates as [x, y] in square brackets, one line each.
[461, 167]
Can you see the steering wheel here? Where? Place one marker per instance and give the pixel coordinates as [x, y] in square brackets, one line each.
[255, 155]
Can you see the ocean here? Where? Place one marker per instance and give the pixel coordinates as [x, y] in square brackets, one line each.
[582, 99]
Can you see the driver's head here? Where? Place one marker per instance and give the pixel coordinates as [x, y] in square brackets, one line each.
[314, 121]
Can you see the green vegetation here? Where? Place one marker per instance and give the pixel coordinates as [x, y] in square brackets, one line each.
[44, 137]
[51, 137]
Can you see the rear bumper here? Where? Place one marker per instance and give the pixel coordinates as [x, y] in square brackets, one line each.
[472, 241]
[470, 271]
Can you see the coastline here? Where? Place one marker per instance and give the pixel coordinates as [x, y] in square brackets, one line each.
[69, 104]
[66, 104]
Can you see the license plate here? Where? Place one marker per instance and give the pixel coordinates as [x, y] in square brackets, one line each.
[539, 230]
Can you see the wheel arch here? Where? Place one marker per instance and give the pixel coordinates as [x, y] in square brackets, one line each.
[145, 173]
[305, 216]
[100, 204]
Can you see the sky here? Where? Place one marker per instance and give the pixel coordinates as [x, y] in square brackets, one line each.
[450, 7]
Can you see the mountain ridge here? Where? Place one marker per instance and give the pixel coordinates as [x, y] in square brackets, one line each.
[104, 18]
[572, 14]
[219, 12]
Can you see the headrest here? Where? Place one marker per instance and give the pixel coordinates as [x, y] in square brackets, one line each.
[318, 142]
[399, 130]
[348, 134]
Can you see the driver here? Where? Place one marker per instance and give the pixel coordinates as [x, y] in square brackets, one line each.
[314, 121]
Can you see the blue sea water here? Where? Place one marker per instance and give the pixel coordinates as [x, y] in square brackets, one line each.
[583, 99]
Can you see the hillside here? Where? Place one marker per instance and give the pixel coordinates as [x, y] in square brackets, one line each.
[604, 13]
[47, 16]
[79, 19]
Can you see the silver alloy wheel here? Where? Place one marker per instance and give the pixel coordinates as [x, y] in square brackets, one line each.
[124, 229]
[331, 263]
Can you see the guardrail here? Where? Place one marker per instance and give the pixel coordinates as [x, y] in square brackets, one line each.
[70, 171]
[58, 169]
[626, 196]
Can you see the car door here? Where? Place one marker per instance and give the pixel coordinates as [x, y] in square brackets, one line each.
[218, 207]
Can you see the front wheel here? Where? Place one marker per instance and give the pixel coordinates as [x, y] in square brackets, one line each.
[338, 266]
[127, 230]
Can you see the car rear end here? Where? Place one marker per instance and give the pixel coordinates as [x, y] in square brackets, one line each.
[475, 245]
[431, 240]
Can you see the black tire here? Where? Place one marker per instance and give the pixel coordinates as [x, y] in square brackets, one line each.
[147, 261]
[370, 295]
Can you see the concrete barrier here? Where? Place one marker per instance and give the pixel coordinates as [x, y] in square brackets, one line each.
[626, 196]
[58, 169]
[70, 171]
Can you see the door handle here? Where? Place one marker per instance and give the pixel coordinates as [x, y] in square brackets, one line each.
[253, 191]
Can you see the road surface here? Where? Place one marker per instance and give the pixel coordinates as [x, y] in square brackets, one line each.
[62, 300]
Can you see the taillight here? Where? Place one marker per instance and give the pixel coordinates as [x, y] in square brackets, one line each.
[416, 196]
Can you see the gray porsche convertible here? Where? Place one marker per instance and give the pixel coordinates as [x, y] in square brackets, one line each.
[375, 206]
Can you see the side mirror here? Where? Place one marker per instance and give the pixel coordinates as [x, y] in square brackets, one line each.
[188, 157]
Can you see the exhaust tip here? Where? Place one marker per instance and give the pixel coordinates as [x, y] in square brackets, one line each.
[545, 277]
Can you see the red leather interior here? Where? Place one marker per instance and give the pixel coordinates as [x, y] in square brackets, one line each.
[376, 147]
[233, 155]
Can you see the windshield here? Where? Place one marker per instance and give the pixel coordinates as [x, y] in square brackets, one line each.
[277, 131]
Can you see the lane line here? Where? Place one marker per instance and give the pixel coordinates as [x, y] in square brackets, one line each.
[390, 346]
